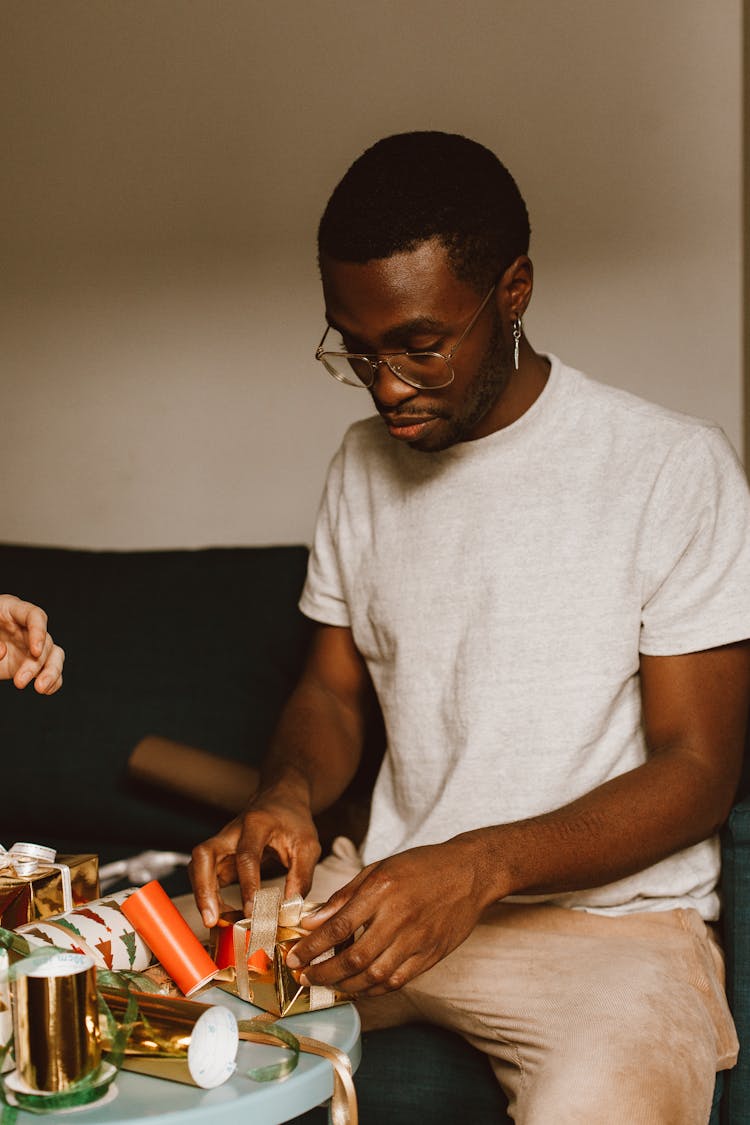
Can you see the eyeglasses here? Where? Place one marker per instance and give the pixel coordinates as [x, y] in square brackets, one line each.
[423, 370]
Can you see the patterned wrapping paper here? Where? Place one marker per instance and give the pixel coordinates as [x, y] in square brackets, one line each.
[98, 929]
[29, 897]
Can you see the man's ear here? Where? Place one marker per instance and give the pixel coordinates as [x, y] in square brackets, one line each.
[515, 287]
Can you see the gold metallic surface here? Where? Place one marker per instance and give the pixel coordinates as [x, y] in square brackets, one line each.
[273, 928]
[56, 1025]
[164, 1024]
[30, 898]
[159, 1038]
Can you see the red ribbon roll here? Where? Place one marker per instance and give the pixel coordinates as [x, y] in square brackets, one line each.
[162, 927]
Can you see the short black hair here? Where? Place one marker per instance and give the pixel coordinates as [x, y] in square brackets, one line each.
[411, 187]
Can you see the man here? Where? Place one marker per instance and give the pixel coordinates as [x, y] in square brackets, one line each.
[544, 585]
[27, 651]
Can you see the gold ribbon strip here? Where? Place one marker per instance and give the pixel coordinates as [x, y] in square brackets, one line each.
[270, 913]
[344, 1109]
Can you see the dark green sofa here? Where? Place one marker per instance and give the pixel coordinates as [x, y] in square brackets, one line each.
[202, 647]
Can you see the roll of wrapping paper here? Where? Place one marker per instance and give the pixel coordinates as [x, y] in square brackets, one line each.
[56, 1022]
[168, 935]
[178, 1039]
[98, 929]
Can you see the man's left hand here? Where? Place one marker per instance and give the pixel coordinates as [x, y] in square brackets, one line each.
[414, 907]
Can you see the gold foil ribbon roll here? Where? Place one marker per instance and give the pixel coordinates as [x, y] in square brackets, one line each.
[56, 1022]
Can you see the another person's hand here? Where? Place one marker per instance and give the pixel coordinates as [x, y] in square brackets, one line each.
[272, 825]
[414, 907]
[27, 651]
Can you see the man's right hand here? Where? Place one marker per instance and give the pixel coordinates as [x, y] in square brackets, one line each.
[282, 826]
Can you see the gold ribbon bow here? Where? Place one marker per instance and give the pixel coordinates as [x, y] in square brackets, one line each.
[269, 915]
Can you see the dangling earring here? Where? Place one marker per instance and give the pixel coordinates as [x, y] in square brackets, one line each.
[517, 330]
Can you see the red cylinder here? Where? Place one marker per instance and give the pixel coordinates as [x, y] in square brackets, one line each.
[166, 932]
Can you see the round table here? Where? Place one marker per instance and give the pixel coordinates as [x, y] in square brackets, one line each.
[140, 1097]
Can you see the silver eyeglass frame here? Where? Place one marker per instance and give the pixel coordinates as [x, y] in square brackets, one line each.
[375, 361]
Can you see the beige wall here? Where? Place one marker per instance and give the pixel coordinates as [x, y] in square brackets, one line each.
[168, 163]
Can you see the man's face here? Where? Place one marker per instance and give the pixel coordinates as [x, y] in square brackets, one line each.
[413, 302]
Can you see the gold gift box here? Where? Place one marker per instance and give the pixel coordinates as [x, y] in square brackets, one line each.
[30, 898]
[275, 988]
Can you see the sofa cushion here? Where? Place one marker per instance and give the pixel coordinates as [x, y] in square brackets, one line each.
[735, 883]
[199, 646]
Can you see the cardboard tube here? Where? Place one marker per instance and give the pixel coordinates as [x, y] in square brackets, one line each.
[193, 773]
[168, 935]
[56, 1022]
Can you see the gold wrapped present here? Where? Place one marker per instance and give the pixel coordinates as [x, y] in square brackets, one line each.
[36, 883]
[251, 954]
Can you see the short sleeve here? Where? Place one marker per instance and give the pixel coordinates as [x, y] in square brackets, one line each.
[696, 567]
[323, 597]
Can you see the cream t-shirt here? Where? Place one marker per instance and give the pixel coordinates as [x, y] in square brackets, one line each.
[501, 592]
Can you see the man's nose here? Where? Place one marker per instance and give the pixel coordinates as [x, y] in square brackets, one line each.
[388, 390]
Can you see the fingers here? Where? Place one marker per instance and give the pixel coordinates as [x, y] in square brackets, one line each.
[386, 973]
[252, 844]
[239, 849]
[302, 868]
[31, 618]
[51, 678]
[46, 670]
[332, 924]
[388, 924]
[35, 621]
[30, 651]
[298, 852]
[212, 864]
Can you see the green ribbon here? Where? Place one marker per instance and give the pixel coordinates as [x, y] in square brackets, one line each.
[89, 1088]
[125, 979]
[9, 1112]
[273, 1071]
[14, 943]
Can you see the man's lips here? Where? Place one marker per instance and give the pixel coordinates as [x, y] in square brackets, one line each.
[407, 427]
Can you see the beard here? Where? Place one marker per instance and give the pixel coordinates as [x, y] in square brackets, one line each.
[490, 380]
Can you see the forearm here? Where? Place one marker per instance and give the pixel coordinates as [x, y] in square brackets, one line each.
[316, 748]
[623, 826]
